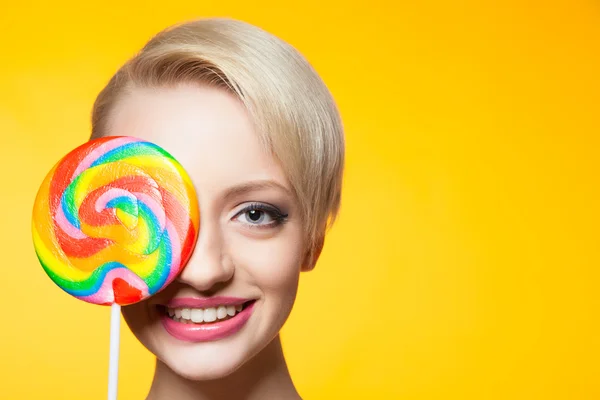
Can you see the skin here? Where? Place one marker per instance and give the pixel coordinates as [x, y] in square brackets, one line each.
[210, 133]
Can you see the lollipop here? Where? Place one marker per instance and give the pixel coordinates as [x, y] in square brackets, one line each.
[114, 222]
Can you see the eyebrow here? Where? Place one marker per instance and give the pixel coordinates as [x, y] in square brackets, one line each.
[253, 186]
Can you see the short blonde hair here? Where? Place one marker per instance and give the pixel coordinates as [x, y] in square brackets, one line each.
[292, 110]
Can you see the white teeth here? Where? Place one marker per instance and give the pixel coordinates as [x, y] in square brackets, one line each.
[221, 312]
[210, 315]
[197, 315]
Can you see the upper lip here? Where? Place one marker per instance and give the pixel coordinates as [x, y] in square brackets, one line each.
[206, 302]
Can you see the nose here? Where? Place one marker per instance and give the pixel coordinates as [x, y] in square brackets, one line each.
[210, 265]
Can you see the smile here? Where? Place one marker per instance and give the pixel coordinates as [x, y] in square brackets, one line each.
[203, 315]
[187, 320]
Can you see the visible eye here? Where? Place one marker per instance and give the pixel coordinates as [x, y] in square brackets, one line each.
[259, 215]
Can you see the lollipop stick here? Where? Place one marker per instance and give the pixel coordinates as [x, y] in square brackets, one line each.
[113, 366]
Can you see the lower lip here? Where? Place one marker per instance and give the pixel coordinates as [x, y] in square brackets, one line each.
[207, 332]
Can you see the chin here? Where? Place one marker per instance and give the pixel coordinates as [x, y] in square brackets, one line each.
[207, 360]
[201, 363]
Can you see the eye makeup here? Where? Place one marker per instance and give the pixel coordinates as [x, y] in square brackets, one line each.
[261, 216]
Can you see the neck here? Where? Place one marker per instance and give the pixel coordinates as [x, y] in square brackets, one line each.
[264, 376]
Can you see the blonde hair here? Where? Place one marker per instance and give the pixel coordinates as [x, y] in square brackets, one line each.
[292, 110]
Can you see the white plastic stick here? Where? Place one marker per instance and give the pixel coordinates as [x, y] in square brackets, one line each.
[113, 365]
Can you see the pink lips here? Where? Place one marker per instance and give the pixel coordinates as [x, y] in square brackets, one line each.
[206, 332]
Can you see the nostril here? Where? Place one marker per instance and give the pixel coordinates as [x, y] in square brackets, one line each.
[206, 273]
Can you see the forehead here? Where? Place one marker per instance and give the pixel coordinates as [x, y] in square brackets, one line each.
[208, 130]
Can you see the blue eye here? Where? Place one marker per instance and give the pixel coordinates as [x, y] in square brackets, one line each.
[261, 216]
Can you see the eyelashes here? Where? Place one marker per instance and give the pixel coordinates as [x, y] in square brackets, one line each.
[261, 216]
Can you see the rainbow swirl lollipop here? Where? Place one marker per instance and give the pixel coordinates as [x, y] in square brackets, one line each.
[115, 221]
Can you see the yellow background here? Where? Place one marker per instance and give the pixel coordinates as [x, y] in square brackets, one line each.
[465, 261]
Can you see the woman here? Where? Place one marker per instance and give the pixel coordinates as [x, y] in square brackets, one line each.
[261, 138]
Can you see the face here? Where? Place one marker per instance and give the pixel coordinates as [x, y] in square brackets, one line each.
[239, 286]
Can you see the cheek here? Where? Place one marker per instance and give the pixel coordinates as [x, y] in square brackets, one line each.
[138, 319]
[272, 264]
